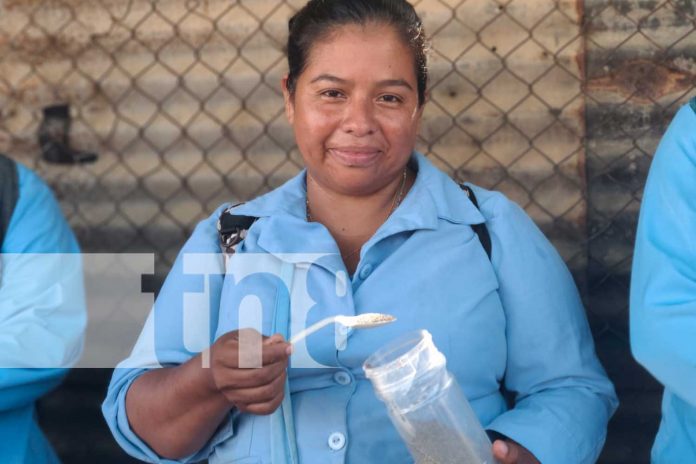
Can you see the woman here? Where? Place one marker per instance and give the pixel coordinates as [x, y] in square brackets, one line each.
[369, 226]
[663, 286]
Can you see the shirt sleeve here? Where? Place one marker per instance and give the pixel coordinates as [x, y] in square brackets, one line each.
[663, 283]
[563, 398]
[166, 339]
[42, 308]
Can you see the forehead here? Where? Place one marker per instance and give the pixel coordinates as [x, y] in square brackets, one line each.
[370, 50]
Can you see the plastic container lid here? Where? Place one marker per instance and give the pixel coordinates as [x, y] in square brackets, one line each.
[398, 364]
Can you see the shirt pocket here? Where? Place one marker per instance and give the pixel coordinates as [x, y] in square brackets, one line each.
[250, 303]
[248, 460]
[237, 449]
[250, 443]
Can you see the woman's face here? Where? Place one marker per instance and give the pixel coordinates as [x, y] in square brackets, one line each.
[355, 109]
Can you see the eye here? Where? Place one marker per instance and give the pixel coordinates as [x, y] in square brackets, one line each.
[388, 98]
[332, 93]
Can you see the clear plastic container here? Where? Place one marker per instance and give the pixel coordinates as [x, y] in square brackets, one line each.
[426, 404]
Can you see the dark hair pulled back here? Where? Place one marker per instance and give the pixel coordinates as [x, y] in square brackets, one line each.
[318, 18]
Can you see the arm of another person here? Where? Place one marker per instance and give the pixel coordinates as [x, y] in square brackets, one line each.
[563, 397]
[182, 411]
[42, 313]
[663, 284]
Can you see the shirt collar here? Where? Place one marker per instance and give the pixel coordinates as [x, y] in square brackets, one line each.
[285, 229]
[433, 197]
[289, 199]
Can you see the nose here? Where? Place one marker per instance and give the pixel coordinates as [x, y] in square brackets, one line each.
[359, 118]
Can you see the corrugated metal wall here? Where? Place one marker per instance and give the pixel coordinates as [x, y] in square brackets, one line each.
[559, 104]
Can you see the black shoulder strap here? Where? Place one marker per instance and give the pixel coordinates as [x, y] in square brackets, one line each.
[480, 229]
[9, 192]
[232, 229]
[693, 104]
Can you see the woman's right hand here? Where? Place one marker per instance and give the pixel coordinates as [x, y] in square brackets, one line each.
[257, 390]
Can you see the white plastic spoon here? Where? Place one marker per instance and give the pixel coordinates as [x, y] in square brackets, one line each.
[361, 321]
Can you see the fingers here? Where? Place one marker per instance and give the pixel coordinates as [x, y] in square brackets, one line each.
[275, 352]
[251, 333]
[262, 409]
[249, 378]
[262, 399]
[511, 452]
[275, 338]
[506, 452]
[257, 390]
[278, 339]
[272, 349]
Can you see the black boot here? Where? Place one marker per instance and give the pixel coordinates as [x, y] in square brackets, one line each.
[54, 138]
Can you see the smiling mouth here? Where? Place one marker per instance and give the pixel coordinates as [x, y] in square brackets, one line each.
[355, 156]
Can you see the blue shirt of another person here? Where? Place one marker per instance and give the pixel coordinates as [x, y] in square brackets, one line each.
[663, 287]
[42, 316]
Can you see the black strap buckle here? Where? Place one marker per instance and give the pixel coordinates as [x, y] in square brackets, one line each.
[232, 229]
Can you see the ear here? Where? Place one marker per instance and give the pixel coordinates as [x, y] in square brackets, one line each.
[287, 97]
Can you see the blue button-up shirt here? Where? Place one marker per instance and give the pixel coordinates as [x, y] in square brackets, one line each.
[42, 316]
[516, 319]
[663, 287]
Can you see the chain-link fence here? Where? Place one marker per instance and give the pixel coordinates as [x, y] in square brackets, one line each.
[559, 104]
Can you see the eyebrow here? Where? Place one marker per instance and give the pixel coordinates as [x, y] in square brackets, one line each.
[384, 83]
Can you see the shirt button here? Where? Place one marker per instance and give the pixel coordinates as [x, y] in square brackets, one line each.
[342, 378]
[365, 271]
[337, 441]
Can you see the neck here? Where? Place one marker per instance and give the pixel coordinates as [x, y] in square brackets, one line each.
[352, 220]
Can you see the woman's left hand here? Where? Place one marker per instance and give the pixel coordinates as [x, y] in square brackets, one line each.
[510, 452]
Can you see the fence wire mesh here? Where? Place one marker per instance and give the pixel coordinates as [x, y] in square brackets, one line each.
[557, 103]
